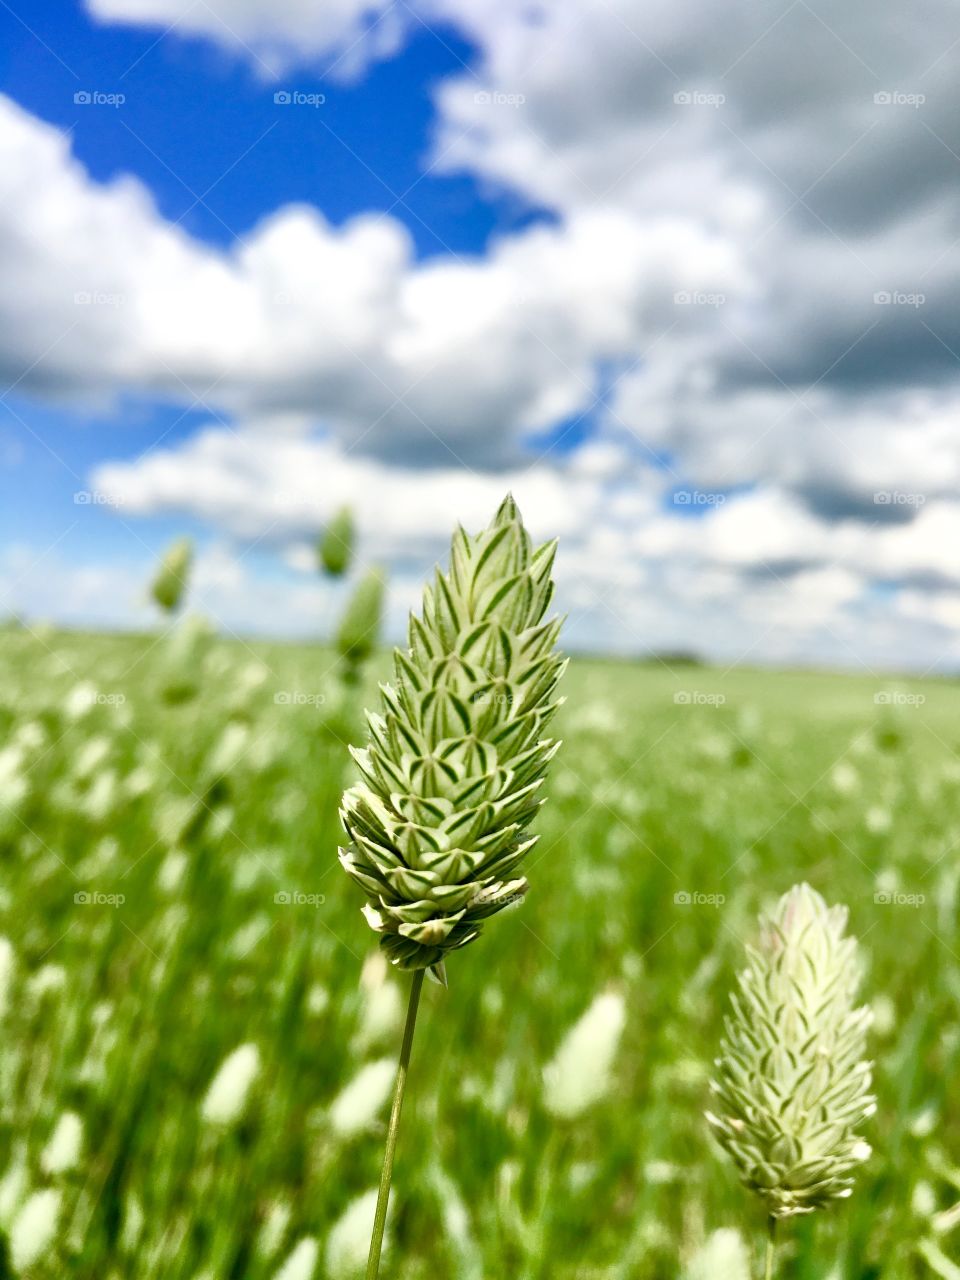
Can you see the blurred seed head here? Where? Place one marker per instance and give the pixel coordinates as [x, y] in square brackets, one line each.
[335, 547]
[359, 632]
[170, 583]
[228, 1095]
[359, 1103]
[722, 1257]
[13, 1187]
[62, 1152]
[349, 1239]
[580, 1073]
[302, 1262]
[34, 1229]
[275, 1224]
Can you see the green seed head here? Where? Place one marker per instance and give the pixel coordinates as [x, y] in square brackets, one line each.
[792, 1086]
[359, 628]
[454, 765]
[335, 548]
[170, 582]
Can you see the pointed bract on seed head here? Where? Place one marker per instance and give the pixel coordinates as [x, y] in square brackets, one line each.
[452, 772]
[792, 1085]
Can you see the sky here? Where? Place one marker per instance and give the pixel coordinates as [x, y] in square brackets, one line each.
[681, 276]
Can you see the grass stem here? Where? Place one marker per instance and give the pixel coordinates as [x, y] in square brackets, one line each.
[383, 1198]
[771, 1248]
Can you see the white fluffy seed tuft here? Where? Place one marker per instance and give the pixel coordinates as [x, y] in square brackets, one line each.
[722, 1257]
[349, 1241]
[34, 1228]
[62, 1152]
[359, 1103]
[229, 1092]
[579, 1074]
[302, 1262]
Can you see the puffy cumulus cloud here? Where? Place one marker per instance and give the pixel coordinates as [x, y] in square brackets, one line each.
[878, 456]
[801, 132]
[728, 112]
[450, 361]
[254, 485]
[342, 34]
[816, 143]
[461, 361]
[637, 573]
[754, 245]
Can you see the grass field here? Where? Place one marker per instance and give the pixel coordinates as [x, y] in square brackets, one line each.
[170, 892]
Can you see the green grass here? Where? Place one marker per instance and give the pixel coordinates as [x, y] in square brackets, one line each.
[793, 776]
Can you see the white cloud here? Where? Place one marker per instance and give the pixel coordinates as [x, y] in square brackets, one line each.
[450, 360]
[730, 202]
[343, 34]
[775, 581]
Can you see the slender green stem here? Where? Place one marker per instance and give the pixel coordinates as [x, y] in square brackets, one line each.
[537, 1237]
[380, 1219]
[771, 1247]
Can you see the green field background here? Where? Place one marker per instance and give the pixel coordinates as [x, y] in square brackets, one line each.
[685, 800]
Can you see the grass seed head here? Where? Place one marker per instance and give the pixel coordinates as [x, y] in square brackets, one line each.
[62, 1152]
[349, 1238]
[792, 1086]
[34, 1229]
[170, 584]
[579, 1074]
[302, 1263]
[335, 548]
[226, 1099]
[359, 1103]
[359, 630]
[722, 1257]
[456, 759]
